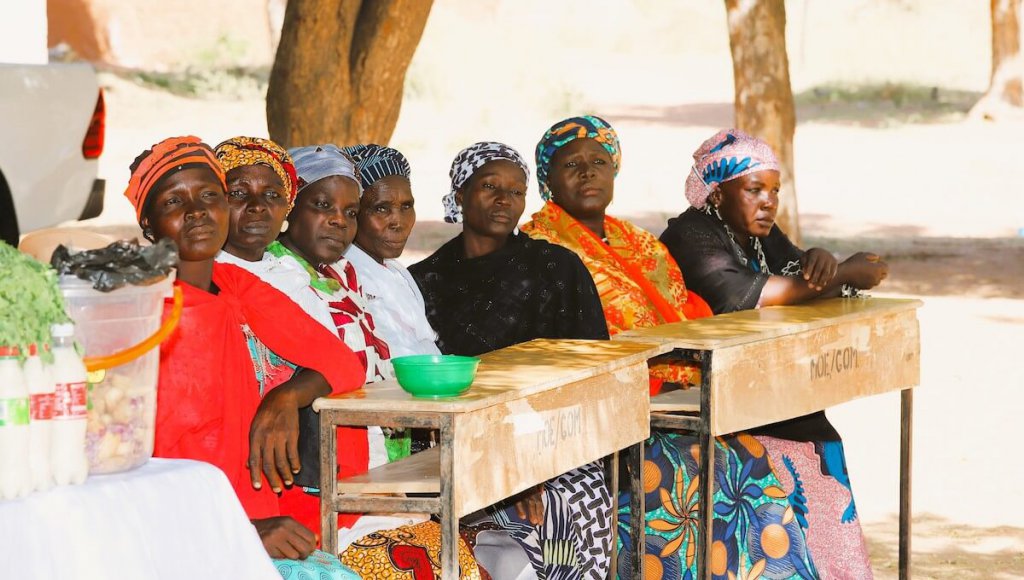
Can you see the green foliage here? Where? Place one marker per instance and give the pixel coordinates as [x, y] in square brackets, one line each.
[884, 104]
[225, 52]
[30, 300]
[226, 83]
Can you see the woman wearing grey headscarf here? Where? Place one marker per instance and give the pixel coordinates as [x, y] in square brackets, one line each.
[321, 227]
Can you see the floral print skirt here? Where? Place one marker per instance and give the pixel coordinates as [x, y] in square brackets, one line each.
[756, 533]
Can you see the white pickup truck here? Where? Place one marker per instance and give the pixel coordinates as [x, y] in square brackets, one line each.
[52, 121]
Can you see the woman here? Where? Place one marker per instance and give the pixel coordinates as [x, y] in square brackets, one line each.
[262, 186]
[641, 286]
[210, 406]
[261, 189]
[387, 214]
[639, 282]
[491, 287]
[730, 249]
[322, 225]
[386, 217]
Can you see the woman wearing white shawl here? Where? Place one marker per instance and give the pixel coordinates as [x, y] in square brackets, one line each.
[387, 215]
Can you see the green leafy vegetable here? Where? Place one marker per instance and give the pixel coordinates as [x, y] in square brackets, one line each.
[30, 300]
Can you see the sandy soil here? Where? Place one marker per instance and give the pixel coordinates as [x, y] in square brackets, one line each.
[933, 193]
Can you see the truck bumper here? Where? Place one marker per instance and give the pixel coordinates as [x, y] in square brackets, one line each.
[94, 207]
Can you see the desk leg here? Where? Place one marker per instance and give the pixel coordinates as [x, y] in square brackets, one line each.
[706, 473]
[328, 482]
[906, 449]
[449, 519]
[637, 513]
[611, 469]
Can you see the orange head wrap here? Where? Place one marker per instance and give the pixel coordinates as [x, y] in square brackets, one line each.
[165, 157]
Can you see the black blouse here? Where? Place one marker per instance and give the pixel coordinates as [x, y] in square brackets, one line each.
[528, 289]
[712, 268]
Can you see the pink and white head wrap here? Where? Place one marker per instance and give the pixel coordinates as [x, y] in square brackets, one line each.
[731, 153]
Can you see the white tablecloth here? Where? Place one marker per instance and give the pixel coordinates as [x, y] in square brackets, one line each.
[169, 519]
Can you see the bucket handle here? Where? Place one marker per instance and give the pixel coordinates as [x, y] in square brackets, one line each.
[97, 363]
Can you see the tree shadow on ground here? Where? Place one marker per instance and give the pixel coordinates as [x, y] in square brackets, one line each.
[884, 105]
[920, 266]
[945, 550]
[932, 266]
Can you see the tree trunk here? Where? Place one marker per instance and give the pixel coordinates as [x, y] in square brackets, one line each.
[340, 70]
[1006, 88]
[764, 99]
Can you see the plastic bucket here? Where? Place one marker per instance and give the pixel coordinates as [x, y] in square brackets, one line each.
[122, 398]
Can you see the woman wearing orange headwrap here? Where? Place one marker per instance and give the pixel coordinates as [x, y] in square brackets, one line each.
[210, 405]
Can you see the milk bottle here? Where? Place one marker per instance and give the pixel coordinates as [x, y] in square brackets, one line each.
[40, 393]
[15, 480]
[67, 432]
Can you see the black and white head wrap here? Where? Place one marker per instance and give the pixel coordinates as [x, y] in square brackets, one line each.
[375, 162]
[315, 162]
[465, 165]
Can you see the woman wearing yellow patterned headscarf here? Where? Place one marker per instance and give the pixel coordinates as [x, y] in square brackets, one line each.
[245, 151]
[261, 189]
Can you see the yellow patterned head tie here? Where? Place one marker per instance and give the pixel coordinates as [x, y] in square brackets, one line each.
[244, 151]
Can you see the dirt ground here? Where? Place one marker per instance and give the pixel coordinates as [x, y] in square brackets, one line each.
[891, 167]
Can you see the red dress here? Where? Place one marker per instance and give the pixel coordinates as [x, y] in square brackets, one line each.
[208, 393]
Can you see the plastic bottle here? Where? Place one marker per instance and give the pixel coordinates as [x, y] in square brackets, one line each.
[39, 382]
[67, 433]
[15, 480]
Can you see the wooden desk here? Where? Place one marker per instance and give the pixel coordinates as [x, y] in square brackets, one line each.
[763, 366]
[535, 410]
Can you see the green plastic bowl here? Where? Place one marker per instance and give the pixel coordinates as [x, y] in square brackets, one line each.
[435, 375]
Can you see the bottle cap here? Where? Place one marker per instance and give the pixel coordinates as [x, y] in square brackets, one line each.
[63, 330]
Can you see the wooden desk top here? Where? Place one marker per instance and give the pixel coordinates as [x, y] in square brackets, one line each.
[748, 326]
[507, 374]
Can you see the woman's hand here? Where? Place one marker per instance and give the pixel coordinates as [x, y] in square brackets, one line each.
[283, 537]
[819, 267]
[864, 270]
[530, 506]
[274, 440]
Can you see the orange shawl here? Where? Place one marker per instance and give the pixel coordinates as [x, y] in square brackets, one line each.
[639, 282]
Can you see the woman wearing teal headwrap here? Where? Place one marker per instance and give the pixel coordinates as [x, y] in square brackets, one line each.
[641, 286]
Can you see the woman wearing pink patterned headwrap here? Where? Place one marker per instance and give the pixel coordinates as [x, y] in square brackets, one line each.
[731, 251]
[727, 243]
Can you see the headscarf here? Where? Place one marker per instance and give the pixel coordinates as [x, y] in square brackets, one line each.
[465, 165]
[315, 162]
[244, 151]
[731, 153]
[562, 132]
[166, 157]
[375, 162]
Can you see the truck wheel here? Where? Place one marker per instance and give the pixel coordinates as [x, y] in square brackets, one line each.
[8, 219]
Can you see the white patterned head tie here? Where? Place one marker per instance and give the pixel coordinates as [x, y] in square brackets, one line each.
[315, 162]
[729, 154]
[465, 165]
